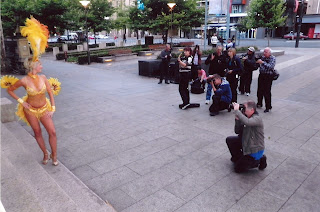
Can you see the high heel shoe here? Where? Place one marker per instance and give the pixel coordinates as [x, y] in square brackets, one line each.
[55, 163]
[45, 161]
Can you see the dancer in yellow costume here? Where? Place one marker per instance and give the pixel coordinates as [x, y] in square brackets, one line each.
[35, 107]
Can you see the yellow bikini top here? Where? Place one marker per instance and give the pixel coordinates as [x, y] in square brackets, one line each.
[32, 92]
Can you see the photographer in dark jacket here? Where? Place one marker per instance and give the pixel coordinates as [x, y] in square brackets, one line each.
[217, 65]
[249, 62]
[164, 66]
[247, 149]
[234, 68]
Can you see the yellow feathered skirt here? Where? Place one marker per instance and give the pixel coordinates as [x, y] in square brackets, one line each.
[37, 112]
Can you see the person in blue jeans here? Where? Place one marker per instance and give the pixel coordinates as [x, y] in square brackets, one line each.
[247, 149]
[222, 94]
[217, 65]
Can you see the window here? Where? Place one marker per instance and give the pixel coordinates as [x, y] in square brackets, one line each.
[236, 9]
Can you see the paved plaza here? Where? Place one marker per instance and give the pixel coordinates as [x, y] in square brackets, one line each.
[124, 136]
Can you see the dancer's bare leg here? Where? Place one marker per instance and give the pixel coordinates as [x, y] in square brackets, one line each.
[35, 125]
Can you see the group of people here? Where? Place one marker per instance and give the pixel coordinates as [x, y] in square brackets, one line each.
[230, 68]
[226, 70]
[247, 148]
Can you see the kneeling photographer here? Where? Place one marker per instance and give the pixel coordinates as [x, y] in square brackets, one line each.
[222, 94]
[247, 149]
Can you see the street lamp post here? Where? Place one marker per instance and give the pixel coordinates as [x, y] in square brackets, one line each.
[85, 5]
[171, 5]
[299, 24]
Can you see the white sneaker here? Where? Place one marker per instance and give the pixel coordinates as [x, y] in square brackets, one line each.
[207, 102]
[247, 94]
[185, 106]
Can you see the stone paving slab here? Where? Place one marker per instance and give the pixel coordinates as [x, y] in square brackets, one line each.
[126, 138]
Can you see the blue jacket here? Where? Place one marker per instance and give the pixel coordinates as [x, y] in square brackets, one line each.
[224, 91]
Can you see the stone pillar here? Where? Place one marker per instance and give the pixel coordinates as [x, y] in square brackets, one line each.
[55, 51]
[102, 45]
[64, 47]
[85, 46]
[139, 42]
[8, 110]
[121, 43]
[79, 48]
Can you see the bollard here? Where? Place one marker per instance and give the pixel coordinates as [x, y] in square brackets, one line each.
[85, 46]
[79, 48]
[64, 47]
[102, 45]
[55, 51]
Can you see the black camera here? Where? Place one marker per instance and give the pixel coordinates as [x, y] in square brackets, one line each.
[241, 107]
[258, 57]
[243, 55]
[209, 80]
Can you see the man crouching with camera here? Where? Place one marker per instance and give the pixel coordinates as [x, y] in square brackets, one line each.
[248, 147]
[222, 94]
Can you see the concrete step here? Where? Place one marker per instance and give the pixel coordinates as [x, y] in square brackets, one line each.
[47, 192]
[16, 190]
[79, 193]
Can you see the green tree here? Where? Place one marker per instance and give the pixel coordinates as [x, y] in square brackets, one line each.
[157, 16]
[138, 20]
[267, 14]
[14, 13]
[97, 12]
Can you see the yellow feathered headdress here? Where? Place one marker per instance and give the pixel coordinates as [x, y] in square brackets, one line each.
[37, 34]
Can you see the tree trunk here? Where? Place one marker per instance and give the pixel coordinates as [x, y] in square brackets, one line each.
[268, 35]
[137, 31]
[3, 52]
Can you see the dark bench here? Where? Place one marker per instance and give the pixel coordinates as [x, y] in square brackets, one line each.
[157, 46]
[186, 44]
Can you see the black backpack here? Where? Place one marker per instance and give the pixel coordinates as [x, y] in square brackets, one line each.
[197, 87]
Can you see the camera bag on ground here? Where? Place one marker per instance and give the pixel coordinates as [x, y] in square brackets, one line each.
[197, 87]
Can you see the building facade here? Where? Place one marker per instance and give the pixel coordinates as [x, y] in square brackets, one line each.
[217, 18]
[311, 20]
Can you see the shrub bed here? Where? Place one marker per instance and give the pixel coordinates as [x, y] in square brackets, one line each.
[82, 58]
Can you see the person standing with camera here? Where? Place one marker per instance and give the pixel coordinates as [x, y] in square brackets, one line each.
[184, 70]
[234, 69]
[217, 65]
[164, 66]
[222, 94]
[267, 64]
[247, 149]
[250, 65]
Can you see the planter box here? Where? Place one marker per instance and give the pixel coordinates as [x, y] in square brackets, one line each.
[149, 68]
